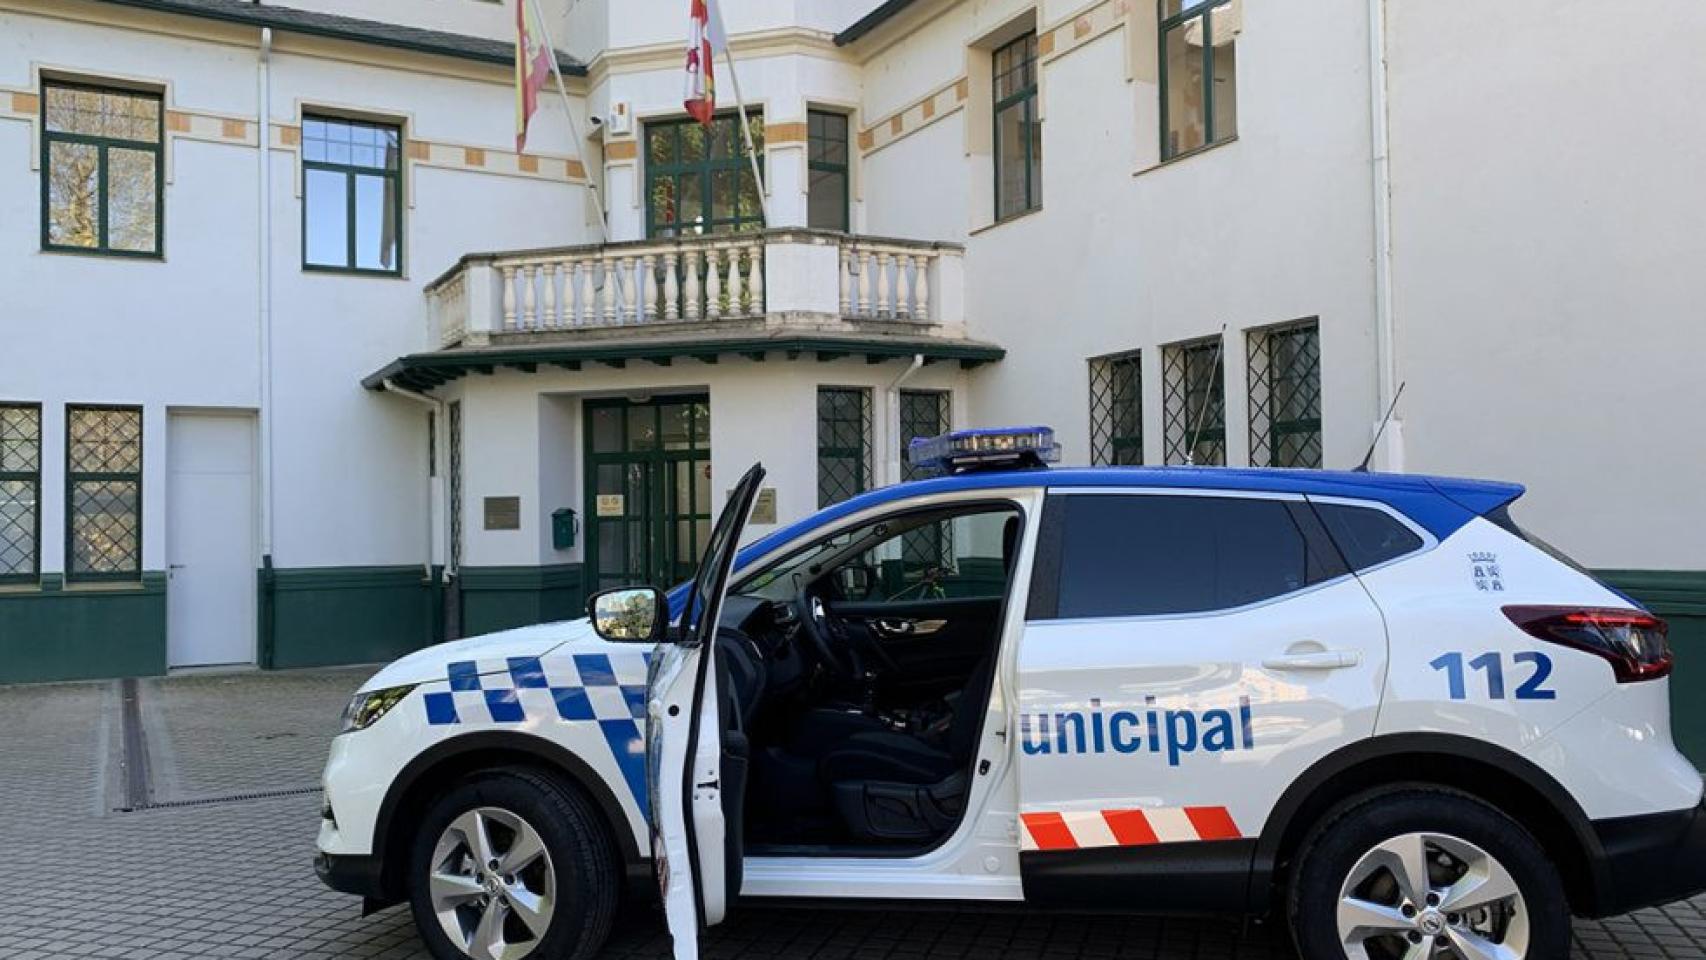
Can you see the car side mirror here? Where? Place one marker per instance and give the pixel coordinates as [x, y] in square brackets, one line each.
[629, 614]
[856, 581]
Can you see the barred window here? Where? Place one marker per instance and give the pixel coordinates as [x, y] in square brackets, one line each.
[1194, 402]
[1285, 395]
[103, 492]
[843, 443]
[352, 210]
[1116, 409]
[101, 170]
[924, 413]
[20, 491]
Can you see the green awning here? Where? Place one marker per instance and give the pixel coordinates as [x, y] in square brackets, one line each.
[425, 371]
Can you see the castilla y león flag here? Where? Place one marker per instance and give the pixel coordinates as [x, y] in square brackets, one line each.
[532, 67]
[705, 39]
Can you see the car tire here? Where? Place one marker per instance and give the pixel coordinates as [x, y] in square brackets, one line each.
[1348, 886]
[553, 892]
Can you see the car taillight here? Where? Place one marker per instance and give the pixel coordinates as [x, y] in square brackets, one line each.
[1633, 640]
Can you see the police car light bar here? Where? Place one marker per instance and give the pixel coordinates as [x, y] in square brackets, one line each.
[962, 451]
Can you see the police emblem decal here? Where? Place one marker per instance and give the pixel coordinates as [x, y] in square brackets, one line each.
[1484, 569]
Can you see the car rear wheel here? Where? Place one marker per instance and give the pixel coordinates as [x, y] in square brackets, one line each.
[1425, 874]
[512, 864]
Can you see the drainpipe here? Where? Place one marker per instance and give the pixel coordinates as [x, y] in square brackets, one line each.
[439, 423]
[892, 471]
[1385, 347]
[264, 338]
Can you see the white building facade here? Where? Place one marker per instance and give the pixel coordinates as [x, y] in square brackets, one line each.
[389, 380]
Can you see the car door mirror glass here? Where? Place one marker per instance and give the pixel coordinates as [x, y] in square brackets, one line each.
[629, 614]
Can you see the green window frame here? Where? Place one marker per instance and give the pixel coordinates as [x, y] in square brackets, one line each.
[698, 177]
[103, 492]
[1116, 409]
[1019, 190]
[454, 454]
[1194, 402]
[1285, 394]
[829, 187]
[1214, 26]
[843, 443]
[354, 158]
[91, 138]
[20, 492]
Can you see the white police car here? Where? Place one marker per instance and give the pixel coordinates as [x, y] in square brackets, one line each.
[1367, 703]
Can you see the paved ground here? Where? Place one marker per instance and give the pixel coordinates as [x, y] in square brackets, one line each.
[197, 874]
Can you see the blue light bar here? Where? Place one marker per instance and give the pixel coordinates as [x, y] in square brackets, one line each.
[965, 450]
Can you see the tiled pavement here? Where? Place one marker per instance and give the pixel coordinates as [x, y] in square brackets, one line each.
[232, 879]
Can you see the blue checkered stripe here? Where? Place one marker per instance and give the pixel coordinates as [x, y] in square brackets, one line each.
[584, 687]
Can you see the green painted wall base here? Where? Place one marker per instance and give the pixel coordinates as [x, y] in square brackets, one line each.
[1679, 596]
[324, 616]
[83, 632]
[497, 598]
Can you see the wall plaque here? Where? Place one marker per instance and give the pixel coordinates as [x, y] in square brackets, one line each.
[763, 505]
[610, 504]
[503, 513]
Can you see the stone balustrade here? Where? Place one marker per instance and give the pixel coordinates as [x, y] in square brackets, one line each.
[779, 277]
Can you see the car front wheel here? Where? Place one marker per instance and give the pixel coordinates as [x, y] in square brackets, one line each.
[1422, 873]
[512, 864]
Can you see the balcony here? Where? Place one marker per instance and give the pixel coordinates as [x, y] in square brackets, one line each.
[790, 292]
[774, 280]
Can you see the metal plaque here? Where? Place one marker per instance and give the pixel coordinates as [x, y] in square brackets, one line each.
[611, 504]
[503, 513]
[763, 507]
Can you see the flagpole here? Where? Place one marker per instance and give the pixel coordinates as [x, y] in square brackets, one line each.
[574, 128]
[746, 130]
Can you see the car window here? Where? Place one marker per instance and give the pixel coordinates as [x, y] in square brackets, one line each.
[1138, 555]
[935, 555]
[1367, 536]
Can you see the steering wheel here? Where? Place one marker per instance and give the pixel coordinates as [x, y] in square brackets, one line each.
[833, 647]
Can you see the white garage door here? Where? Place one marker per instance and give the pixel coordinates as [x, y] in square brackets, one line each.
[210, 543]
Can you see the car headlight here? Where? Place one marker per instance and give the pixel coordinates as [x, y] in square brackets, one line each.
[365, 709]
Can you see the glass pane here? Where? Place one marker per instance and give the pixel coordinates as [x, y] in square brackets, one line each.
[642, 428]
[701, 425]
[104, 441]
[661, 143]
[724, 184]
[326, 218]
[375, 222]
[73, 194]
[608, 477]
[756, 126]
[749, 209]
[827, 204]
[677, 426]
[606, 431]
[691, 197]
[18, 512]
[1183, 81]
[20, 439]
[1035, 198]
[1010, 170]
[725, 138]
[104, 526]
[101, 113]
[132, 202]
[663, 201]
[692, 142]
[1223, 26]
[1173, 7]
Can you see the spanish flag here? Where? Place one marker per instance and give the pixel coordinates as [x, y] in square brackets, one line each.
[532, 67]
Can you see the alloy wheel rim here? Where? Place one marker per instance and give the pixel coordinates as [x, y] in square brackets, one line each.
[1431, 896]
[492, 884]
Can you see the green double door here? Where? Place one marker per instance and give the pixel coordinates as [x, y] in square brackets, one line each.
[648, 484]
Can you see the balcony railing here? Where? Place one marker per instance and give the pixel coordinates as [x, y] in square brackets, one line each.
[777, 277]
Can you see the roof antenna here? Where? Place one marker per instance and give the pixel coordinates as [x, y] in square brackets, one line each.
[1196, 428]
[1363, 466]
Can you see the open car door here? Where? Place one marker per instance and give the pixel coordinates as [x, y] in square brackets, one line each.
[695, 760]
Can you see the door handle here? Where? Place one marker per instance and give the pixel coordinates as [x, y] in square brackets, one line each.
[1316, 659]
